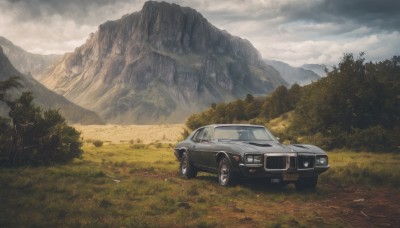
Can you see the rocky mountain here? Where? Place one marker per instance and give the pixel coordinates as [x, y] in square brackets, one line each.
[293, 75]
[316, 68]
[159, 65]
[24, 61]
[43, 96]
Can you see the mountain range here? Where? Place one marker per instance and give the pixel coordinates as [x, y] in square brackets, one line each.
[294, 75]
[159, 65]
[25, 62]
[316, 68]
[43, 96]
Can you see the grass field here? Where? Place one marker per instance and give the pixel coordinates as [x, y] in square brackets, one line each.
[117, 134]
[119, 186]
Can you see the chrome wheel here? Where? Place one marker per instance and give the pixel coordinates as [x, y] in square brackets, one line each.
[184, 165]
[224, 173]
[186, 168]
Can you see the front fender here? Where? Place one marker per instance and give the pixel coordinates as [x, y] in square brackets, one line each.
[234, 164]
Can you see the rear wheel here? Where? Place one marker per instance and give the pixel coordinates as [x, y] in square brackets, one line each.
[307, 183]
[225, 175]
[186, 169]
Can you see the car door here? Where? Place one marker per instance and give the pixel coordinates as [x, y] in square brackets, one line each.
[205, 150]
[194, 156]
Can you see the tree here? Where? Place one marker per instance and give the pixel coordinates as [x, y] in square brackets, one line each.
[355, 101]
[6, 130]
[40, 137]
[13, 82]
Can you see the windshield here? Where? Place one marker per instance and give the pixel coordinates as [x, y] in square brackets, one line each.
[242, 133]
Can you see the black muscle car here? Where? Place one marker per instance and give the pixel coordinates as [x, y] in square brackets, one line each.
[236, 150]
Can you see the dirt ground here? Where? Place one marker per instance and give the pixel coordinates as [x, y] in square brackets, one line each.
[341, 206]
[165, 133]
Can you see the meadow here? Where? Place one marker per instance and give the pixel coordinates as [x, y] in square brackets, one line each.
[117, 185]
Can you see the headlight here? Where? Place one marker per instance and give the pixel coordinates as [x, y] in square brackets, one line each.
[321, 161]
[253, 158]
[257, 158]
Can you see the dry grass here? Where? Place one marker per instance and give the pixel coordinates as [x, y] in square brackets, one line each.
[280, 124]
[116, 134]
[117, 186]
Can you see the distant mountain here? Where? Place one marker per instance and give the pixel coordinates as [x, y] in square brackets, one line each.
[317, 68]
[43, 96]
[293, 75]
[158, 66]
[24, 61]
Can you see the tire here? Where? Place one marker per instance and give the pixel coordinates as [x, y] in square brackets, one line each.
[186, 169]
[225, 174]
[308, 183]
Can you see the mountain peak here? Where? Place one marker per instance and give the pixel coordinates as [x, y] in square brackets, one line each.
[159, 65]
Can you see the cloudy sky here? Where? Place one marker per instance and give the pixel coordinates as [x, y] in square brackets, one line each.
[294, 31]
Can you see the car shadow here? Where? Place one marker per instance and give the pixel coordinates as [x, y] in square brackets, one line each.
[257, 185]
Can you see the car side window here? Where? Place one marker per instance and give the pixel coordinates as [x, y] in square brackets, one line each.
[199, 134]
[207, 136]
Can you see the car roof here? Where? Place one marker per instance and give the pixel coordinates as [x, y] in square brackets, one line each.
[233, 125]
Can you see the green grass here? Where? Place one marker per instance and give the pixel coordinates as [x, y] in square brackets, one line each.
[120, 186]
[363, 168]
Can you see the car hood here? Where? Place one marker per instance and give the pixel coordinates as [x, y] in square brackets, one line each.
[272, 147]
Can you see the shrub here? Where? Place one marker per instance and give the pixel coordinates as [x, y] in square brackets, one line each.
[374, 139]
[98, 143]
[5, 139]
[158, 145]
[40, 137]
[185, 133]
[138, 146]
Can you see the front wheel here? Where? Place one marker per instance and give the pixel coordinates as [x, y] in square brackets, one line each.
[186, 169]
[309, 183]
[225, 175]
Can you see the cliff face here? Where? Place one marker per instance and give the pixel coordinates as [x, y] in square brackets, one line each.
[43, 96]
[159, 65]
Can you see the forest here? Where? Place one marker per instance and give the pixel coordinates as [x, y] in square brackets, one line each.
[356, 106]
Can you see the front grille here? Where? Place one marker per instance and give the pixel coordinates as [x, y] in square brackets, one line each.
[293, 162]
[275, 162]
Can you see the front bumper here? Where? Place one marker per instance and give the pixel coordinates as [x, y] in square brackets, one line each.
[285, 167]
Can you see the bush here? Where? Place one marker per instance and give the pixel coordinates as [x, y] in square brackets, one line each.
[40, 137]
[5, 139]
[138, 146]
[374, 139]
[98, 143]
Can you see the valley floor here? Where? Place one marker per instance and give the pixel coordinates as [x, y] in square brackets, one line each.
[116, 134]
[120, 185]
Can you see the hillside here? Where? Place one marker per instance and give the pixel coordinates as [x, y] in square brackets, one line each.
[294, 75]
[24, 61]
[355, 106]
[316, 68]
[159, 65]
[43, 96]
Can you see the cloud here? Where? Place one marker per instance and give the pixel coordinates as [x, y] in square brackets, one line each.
[293, 31]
